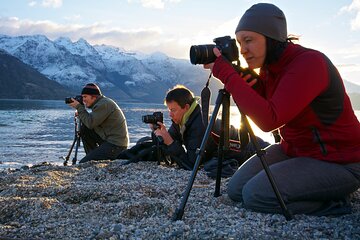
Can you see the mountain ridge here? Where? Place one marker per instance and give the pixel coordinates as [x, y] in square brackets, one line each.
[124, 75]
[120, 74]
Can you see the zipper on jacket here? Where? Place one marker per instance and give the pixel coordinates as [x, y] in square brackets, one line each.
[318, 139]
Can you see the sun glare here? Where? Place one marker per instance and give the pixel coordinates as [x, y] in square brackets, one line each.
[235, 120]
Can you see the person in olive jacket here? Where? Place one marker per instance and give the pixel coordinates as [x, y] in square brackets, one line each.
[104, 130]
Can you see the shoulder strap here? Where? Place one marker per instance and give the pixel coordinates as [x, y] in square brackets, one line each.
[205, 102]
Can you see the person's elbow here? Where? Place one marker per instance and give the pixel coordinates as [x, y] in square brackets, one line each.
[268, 125]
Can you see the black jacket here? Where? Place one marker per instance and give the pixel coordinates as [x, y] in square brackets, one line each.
[183, 149]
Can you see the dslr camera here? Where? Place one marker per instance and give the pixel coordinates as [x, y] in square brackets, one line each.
[153, 118]
[203, 54]
[77, 98]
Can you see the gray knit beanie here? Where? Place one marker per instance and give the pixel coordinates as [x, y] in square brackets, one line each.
[266, 19]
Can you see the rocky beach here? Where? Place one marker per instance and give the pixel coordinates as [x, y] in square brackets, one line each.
[109, 200]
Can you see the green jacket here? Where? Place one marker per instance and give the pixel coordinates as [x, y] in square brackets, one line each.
[107, 120]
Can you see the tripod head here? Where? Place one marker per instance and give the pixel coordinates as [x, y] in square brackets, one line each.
[77, 122]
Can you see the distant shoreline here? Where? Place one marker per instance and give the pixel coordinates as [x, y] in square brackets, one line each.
[354, 98]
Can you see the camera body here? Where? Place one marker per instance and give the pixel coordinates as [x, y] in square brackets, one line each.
[153, 118]
[78, 98]
[203, 54]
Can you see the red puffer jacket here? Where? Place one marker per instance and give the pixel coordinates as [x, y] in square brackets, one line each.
[303, 95]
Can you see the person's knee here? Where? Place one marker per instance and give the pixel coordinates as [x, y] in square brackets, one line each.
[84, 160]
[255, 197]
[249, 196]
[234, 191]
[260, 198]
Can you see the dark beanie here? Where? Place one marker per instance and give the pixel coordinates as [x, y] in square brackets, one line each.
[91, 89]
[266, 19]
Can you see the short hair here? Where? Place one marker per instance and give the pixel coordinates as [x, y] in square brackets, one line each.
[181, 95]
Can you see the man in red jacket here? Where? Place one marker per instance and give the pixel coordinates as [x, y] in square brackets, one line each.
[300, 92]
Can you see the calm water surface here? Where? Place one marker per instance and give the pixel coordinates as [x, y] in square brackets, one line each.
[35, 131]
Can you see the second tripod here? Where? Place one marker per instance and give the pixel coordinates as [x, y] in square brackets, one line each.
[224, 100]
[75, 143]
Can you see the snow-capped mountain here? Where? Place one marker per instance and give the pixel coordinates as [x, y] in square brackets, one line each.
[21, 81]
[120, 74]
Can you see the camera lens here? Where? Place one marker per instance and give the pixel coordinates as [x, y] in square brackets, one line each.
[68, 100]
[202, 54]
[154, 118]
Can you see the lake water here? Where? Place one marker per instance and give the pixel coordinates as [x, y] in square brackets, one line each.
[35, 131]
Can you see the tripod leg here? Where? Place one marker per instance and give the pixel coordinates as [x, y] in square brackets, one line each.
[69, 153]
[224, 139]
[158, 153]
[261, 154]
[180, 210]
[76, 150]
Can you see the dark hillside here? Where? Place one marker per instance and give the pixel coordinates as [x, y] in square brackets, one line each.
[20, 81]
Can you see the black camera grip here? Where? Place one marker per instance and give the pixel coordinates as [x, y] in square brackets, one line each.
[247, 71]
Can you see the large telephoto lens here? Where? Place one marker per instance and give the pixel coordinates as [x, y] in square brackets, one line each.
[202, 54]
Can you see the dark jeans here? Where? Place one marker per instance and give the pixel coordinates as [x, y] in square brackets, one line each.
[307, 185]
[96, 148]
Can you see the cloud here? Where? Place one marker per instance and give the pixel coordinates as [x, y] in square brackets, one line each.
[353, 7]
[32, 3]
[97, 33]
[154, 4]
[350, 72]
[157, 4]
[47, 3]
[52, 3]
[351, 51]
[73, 18]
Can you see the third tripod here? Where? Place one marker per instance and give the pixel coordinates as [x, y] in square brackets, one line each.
[224, 100]
[75, 143]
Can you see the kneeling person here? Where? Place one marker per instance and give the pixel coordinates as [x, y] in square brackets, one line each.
[104, 130]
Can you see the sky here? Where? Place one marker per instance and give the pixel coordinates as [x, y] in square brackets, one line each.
[172, 26]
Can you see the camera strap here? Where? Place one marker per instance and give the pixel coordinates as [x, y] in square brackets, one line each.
[205, 101]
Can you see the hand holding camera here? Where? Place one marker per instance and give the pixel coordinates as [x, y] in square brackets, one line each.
[159, 129]
[74, 101]
[217, 53]
[162, 132]
[225, 46]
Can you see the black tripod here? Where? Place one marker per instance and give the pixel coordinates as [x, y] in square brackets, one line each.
[76, 141]
[224, 100]
[138, 152]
